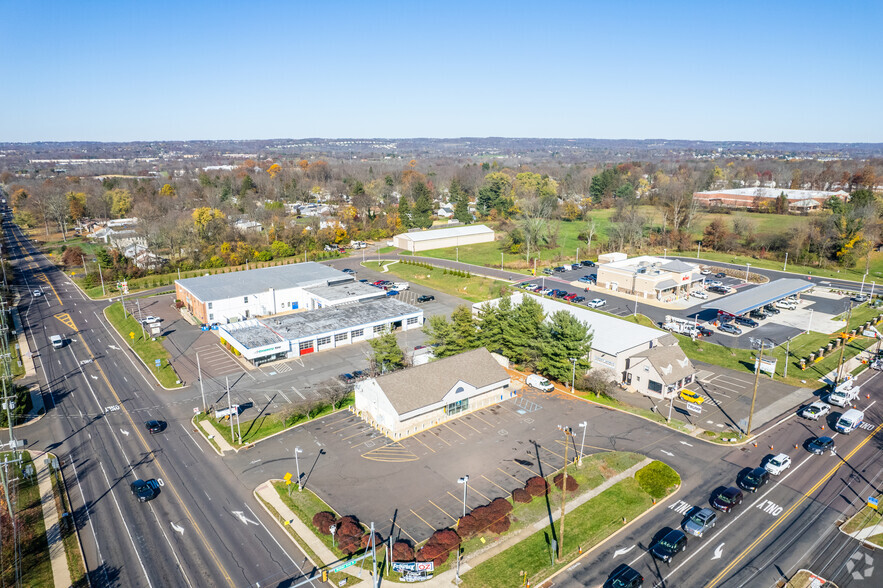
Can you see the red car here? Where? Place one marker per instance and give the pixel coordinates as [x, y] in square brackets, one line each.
[378, 283]
[570, 296]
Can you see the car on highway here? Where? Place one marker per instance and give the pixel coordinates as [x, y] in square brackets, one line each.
[727, 500]
[746, 322]
[720, 275]
[690, 396]
[425, 298]
[814, 411]
[754, 480]
[38, 293]
[698, 523]
[579, 299]
[699, 294]
[561, 269]
[587, 263]
[778, 464]
[820, 445]
[840, 398]
[596, 303]
[731, 329]
[624, 577]
[145, 490]
[154, 427]
[671, 544]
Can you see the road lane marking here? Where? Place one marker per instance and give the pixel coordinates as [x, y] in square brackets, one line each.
[129, 533]
[804, 497]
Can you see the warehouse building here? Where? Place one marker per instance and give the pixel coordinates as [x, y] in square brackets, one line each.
[621, 347]
[408, 401]
[238, 296]
[294, 335]
[798, 200]
[652, 277]
[441, 238]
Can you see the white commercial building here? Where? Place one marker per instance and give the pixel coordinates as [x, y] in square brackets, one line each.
[442, 238]
[414, 399]
[650, 277]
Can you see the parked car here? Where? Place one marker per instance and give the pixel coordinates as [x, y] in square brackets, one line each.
[154, 427]
[559, 293]
[425, 298]
[561, 269]
[539, 382]
[731, 329]
[359, 374]
[570, 296]
[745, 321]
[532, 287]
[692, 397]
[546, 291]
[814, 411]
[860, 298]
[713, 283]
[624, 577]
[705, 272]
[758, 314]
[378, 283]
[820, 445]
[145, 490]
[705, 331]
[151, 319]
[700, 522]
[586, 279]
[587, 263]
[778, 464]
[718, 290]
[575, 266]
[596, 303]
[727, 500]
[579, 299]
[674, 542]
[347, 378]
[699, 294]
[347, 270]
[720, 275]
[770, 309]
[547, 271]
[392, 292]
[786, 304]
[754, 480]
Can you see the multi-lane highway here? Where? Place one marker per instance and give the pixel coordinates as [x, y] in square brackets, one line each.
[205, 528]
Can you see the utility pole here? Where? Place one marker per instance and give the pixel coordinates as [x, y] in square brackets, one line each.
[141, 320]
[787, 357]
[229, 406]
[568, 432]
[756, 378]
[842, 348]
[374, 558]
[100, 275]
[201, 388]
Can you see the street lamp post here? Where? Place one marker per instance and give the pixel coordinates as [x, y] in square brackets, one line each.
[862, 290]
[573, 375]
[585, 426]
[465, 481]
[664, 253]
[747, 271]
[786, 261]
[568, 432]
[300, 486]
[809, 323]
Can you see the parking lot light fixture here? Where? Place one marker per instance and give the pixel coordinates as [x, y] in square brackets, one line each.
[747, 271]
[465, 481]
[573, 375]
[584, 425]
[300, 486]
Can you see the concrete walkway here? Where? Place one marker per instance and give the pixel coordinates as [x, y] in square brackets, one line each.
[60, 573]
[24, 348]
[473, 559]
[215, 436]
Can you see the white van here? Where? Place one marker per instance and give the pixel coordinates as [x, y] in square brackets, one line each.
[57, 341]
[850, 420]
[540, 383]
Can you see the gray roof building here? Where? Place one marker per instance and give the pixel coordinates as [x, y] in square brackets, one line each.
[236, 284]
[669, 361]
[747, 300]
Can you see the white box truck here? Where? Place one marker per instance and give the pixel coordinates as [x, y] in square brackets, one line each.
[57, 341]
[540, 383]
[849, 421]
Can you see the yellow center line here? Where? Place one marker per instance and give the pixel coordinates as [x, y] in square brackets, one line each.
[787, 513]
[443, 510]
[165, 476]
[46, 279]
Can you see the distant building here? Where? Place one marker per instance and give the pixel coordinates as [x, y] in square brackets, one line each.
[751, 197]
[408, 401]
[443, 238]
[248, 226]
[649, 277]
[445, 212]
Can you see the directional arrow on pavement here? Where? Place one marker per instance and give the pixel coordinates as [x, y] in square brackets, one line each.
[177, 528]
[667, 452]
[719, 551]
[124, 432]
[687, 444]
[245, 520]
[619, 552]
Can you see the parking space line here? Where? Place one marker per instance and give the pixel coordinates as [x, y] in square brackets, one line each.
[494, 483]
[528, 469]
[451, 429]
[422, 519]
[355, 423]
[470, 426]
[356, 434]
[511, 476]
[417, 438]
[477, 491]
[440, 438]
[552, 452]
[481, 419]
[345, 418]
[402, 529]
[363, 442]
[441, 509]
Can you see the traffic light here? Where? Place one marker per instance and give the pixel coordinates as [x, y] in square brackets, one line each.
[324, 575]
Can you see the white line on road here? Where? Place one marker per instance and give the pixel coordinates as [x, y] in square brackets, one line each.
[276, 542]
[198, 446]
[284, 396]
[296, 391]
[129, 533]
[89, 519]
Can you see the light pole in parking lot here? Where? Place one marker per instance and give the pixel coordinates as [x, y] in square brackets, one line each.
[573, 374]
[862, 290]
[747, 271]
[465, 481]
[584, 425]
[568, 432]
[300, 486]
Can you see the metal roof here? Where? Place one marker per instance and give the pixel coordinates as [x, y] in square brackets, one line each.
[678, 266]
[447, 233]
[245, 283]
[666, 284]
[748, 300]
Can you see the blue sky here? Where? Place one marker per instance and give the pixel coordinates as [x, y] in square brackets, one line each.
[121, 70]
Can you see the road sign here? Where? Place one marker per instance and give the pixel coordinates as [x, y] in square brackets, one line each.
[693, 407]
[287, 478]
[873, 502]
[157, 362]
[131, 334]
[343, 567]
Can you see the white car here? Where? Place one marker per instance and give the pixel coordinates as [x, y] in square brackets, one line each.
[778, 464]
[546, 291]
[38, 293]
[151, 319]
[705, 272]
[699, 294]
[815, 411]
[713, 283]
[596, 303]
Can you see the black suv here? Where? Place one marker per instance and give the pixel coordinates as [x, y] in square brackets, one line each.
[727, 500]
[758, 314]
[145, 490]
[624, 577]
[753, 480]
[674, 542]
[425, 298]
[561, 269]
[587, 263]
[745, 321]
[770, 309]
[155, 426]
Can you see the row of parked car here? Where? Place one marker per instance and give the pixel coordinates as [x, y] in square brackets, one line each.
[564, 295]
[569, 267]
[728, 324]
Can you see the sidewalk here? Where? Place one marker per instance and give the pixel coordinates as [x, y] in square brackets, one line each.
[60, 573]
[24, 349]
[215, 436]
[495, 548]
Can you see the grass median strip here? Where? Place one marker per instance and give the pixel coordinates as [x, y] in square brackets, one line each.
[148, 349]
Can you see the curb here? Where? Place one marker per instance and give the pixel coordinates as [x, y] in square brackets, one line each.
[146, 367]
[203, 434]
[276, 516]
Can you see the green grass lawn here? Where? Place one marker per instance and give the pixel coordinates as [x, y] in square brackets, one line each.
[473, 289]
[148, 350]
[585, 527]
[866, 517]
[387, 249]
[35, 565]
